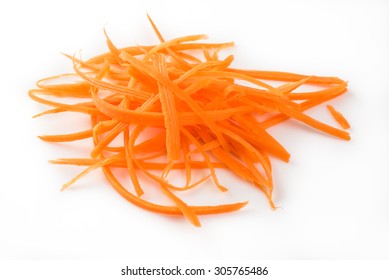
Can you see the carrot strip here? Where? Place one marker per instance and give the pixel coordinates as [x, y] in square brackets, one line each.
[338, 117]
[141, 95]
[234, 75]
[285, 76]
[200, 67]
[130, 163]
[177, 57]
[120, 163]
[199, 210]
[77, 109]
[67, 107]
[91, 168]
[187, 157]
[67, 137]
[173, 147]
[314, 123]
[332, 93]
[171, 43]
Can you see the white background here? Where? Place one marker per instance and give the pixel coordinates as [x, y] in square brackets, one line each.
[333, 195]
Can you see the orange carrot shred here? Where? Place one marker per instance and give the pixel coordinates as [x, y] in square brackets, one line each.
[173, 145]
[338, 117]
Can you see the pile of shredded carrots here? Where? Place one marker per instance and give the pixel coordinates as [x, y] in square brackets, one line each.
[203, 113]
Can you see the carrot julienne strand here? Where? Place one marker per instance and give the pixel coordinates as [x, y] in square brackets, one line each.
[338, 117]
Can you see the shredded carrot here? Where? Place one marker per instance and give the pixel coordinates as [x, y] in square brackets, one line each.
[204, 114]
[338, 117]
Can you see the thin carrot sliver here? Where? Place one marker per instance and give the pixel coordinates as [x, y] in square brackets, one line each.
[173, 145]
[338, 117]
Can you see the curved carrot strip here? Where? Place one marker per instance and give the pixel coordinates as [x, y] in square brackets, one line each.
[67, 137]
[170, 210]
